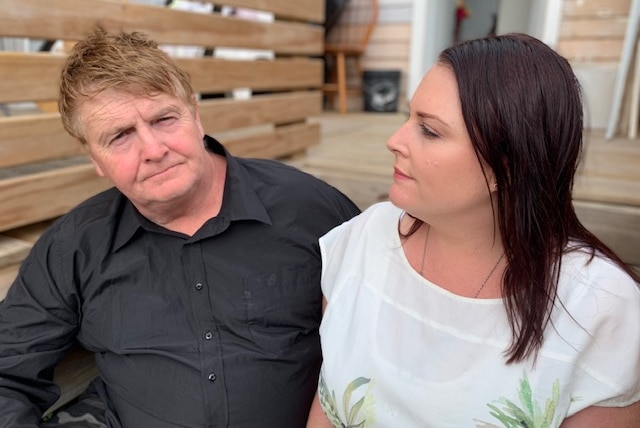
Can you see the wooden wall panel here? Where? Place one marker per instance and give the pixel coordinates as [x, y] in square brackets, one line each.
[27, 139]
[285, 140]
[592, 28]
[34, 76]
[48, 193]
[220, 115]
[44, 172]
[590, 50]
[213, 75]
[593, 31]
[74, 19]
[600, 8]
[304, 10]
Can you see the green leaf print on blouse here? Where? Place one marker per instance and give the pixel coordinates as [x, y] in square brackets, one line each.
[358, 414]
[528, 414]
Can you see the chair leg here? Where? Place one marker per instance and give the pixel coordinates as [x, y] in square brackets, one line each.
[331, 77]
[342, 82]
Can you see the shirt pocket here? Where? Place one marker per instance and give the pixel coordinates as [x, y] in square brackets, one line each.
[283, 307]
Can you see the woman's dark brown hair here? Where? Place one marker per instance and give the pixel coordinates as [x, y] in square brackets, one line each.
[522, 106]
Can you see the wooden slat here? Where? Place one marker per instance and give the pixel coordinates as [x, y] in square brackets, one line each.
[213, 75]
[29, 77]
[378, 63]
[590, 50]
[12, 250]
[74, 19]
[223, 115]
[391, 33]
[607, 189]
[389, 50]
[593, 27]
[601, 8]
[32, 77]
[284, 141]
[34, 138]
[306, 10]
[38, 196]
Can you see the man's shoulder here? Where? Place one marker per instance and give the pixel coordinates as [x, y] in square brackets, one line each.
[287, 186]
[276, 169]
[99, 208]
[275, 173]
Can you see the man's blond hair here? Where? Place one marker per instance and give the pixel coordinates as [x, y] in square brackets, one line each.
[128, 62]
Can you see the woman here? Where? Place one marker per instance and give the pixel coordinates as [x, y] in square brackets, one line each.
[476, 298]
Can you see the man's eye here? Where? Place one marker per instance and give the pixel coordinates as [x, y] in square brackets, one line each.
[165, 119]
[119, 136]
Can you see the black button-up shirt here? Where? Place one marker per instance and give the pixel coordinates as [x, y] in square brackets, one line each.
[219, 329]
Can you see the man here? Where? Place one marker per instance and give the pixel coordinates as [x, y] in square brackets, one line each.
[195, 280]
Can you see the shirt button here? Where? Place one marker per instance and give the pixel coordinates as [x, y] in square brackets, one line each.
[212, 377]
[199, 286]
[208, 335]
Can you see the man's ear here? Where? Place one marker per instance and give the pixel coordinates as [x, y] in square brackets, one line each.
[96, 166]
[196, 114]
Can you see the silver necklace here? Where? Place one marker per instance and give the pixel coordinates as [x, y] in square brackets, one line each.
[424, 250]
[489, 276]
[424, 255]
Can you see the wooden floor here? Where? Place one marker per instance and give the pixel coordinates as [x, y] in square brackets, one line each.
[353, 157]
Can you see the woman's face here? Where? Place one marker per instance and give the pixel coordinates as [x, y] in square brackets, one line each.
[436, 171]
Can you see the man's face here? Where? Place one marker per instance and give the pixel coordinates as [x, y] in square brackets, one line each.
[150, 148]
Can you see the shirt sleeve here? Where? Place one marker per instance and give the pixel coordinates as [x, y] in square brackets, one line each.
[37, 326]
[609, 314]
[331, 249]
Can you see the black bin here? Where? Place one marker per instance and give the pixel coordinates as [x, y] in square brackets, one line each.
[381, 90]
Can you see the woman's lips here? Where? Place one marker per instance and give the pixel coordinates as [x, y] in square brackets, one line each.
[398, 174]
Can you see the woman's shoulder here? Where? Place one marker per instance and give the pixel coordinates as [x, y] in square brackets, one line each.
[378, 214]
[587, 274]
[373, 227]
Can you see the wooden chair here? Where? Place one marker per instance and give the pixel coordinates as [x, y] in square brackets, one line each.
[348, 39]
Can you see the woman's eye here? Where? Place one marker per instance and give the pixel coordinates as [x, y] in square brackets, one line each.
[427, 132]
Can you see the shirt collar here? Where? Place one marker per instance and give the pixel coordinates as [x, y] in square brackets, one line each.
[239, 202]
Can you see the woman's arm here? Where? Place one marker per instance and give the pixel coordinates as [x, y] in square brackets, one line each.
[317, 418]
[605, 417]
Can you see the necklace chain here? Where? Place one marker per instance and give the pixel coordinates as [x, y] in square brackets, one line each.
[424, 255]
[424, 250]
[489, 276]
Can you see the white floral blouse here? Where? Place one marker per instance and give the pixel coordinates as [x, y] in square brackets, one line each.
[399, 351]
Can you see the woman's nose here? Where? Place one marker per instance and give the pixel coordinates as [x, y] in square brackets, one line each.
[394, 142]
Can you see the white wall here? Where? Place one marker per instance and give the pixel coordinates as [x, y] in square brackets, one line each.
[431, 31]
